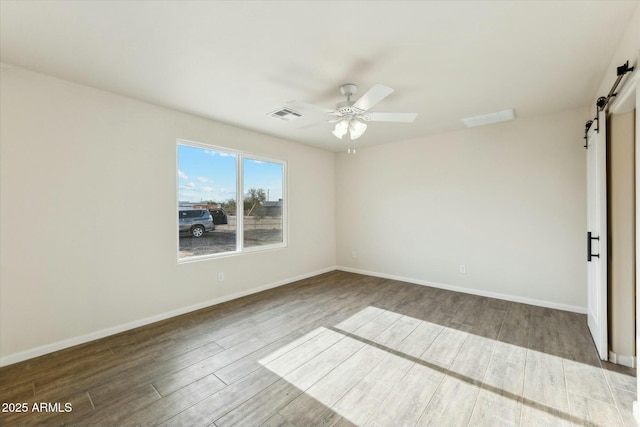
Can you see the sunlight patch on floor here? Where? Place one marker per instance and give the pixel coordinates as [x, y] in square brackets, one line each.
[379, 368]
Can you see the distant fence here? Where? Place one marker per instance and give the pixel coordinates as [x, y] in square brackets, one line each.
[254, 223]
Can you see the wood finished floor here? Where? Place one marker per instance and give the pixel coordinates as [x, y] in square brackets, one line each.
[339, 349]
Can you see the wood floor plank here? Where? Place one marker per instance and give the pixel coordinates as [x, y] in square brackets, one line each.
[586, 411]
[488, 323]
[223, 327]
[419, 339]
[304, 337]
[170, 383]
[183, 359]
[299, 355]
[58, 363]
[514, 334]
[397, 331]
[620, 377]
[383, 377]
[361, 402]
[624, 402]
[408, 398]
[315, 410]
[536, 414]
[280, 321]
[356, 321]
[545, 336]
[105, 374]
[492, 409]
[277, 420]
[470, 307]
[18, 393]
[251, 362]
[504, 377]
[291, 324]
[317, 367]
[451, 405]
[445, 347]
[262, 406]
[516, 325]
[374, 327]
[473, 358]
[332, 387]
[119, 408]
[510, 353]
[357, 405]
[588, 381]
[544, 380]
[208, 410]
[190, 346]
[163, 409]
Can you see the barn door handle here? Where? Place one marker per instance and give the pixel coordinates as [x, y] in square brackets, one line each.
[589, 239]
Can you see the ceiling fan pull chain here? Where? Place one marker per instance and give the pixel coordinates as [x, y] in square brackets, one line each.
[351, 149]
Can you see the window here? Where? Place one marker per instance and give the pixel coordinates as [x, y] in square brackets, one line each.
[262, 202]
[240, 200]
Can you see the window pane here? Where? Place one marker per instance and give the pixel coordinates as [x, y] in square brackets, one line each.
[207, 201]
[263, 202]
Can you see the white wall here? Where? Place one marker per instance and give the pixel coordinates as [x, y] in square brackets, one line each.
[87, 214]
[506, 200]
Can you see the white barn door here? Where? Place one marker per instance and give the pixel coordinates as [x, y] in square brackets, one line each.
[597, 234]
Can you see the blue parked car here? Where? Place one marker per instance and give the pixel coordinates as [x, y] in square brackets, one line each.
[195, 222]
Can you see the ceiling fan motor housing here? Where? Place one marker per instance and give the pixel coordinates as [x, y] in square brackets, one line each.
[344, 107]
[348, 89]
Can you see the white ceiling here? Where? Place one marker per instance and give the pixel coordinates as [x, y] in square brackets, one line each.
[237, 61]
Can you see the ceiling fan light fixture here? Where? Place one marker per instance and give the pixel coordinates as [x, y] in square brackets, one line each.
[356, 128]
[350, 116]
[341, 129]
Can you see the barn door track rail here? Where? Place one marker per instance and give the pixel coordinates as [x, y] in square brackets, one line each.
[602, 102]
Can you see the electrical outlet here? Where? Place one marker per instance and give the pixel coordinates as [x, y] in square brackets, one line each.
[220, 276]
[354, 254]
[463, 269]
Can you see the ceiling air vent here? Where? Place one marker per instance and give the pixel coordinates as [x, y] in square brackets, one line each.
[488, 119]
[285, 114]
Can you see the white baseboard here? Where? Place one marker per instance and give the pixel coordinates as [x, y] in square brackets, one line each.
[507, 297]
[636, 411]
[60, 345]
[619, 359]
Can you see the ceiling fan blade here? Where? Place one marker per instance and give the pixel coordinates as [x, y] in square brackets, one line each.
[391, 117]
[308, 106]
[374, 95]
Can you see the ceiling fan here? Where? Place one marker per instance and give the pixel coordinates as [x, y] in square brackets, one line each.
[350, 116]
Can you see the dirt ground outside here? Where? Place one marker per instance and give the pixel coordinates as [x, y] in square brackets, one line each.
[257, 232]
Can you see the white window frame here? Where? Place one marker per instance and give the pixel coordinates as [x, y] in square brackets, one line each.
[240, 156]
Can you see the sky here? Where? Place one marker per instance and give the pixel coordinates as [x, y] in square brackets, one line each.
[211, 175]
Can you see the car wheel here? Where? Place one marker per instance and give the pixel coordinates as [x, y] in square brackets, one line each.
[197, 231]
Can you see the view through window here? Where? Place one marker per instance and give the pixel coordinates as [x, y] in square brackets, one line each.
[262, 202]
[214, 186]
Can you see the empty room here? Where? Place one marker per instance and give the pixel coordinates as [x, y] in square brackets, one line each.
[318, 213]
